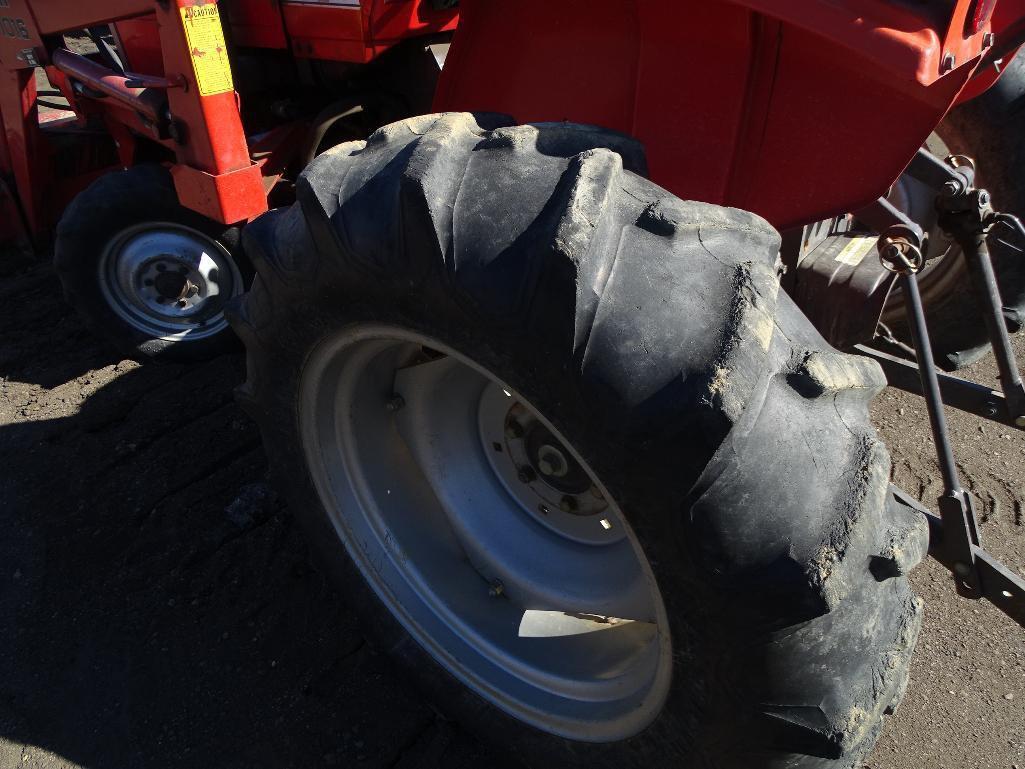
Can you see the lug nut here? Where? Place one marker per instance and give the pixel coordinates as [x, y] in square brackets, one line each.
[395, 403]
[526, 474]
[568, 504]
[551, 462]
[1020, 421]
[513, 429]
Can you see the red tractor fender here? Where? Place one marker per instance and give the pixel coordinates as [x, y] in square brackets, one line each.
[797, 111]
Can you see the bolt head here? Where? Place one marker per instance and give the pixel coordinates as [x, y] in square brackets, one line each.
[551, 462]
[513, 429]
[496, 590]
[948, 62]
[526, 474]
[891, 251]
[395, 403]
[1019, 421]
[568, 504]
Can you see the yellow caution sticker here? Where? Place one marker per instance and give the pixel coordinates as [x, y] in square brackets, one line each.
[205, 37]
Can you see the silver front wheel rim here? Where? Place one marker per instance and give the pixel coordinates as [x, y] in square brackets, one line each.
[169, 281]
[485, 533]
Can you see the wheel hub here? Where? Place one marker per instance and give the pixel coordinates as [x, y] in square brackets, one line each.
[554, 463]
[485, 533]
[541, 473]
[169, 281]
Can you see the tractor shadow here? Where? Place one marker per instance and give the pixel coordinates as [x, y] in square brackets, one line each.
[156, 603]
[42, 341]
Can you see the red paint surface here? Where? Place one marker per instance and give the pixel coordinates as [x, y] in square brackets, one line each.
[216, 142]
[796, 110]
[140, 41]
[358, 34]
[20, 157]
[257, 23]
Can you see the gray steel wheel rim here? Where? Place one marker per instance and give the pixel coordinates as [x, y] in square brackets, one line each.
[558, 623]
[135, 268]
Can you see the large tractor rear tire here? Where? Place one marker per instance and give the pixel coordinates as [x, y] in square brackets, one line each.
[590, 478]
[148, 275]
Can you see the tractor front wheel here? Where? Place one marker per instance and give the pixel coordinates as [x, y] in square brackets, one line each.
[588, 475]
[149, 276]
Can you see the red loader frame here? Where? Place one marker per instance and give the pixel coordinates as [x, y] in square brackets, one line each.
[177, 92]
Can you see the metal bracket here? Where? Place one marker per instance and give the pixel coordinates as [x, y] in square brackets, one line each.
[900, 252]
[965, 214]
[1000, 585]
[958, 393]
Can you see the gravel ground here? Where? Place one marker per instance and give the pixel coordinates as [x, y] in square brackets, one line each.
[157, 607]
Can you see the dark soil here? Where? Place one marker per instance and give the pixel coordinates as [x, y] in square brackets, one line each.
[156, 603]
[157, 607]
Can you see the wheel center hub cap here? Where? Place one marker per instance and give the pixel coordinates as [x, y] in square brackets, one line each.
[169, 281]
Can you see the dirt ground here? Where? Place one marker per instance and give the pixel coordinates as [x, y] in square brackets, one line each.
[157, 608]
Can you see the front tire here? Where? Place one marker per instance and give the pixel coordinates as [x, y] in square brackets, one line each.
[150, 277]
[649, 338]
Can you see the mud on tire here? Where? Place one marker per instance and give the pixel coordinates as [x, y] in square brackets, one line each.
[652, 333]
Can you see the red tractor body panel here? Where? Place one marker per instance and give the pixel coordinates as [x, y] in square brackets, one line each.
[335, 30]
[797, 111]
